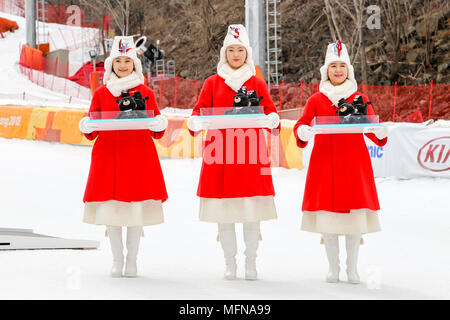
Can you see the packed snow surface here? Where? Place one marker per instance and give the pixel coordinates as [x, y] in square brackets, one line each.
[42, 186]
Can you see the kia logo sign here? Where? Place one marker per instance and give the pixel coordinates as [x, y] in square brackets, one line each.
[435, 155]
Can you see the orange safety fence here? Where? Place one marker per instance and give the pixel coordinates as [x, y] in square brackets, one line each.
[57, 84]
[391, 103]
[37, 60]
[402, 103]
[32, 58]
[50, 74]
[176, 92]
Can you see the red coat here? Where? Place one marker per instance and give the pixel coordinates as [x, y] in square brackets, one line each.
[340, 176]
[124, 165]
[235, 179]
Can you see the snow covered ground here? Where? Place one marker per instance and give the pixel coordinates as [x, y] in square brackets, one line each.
[42, 185]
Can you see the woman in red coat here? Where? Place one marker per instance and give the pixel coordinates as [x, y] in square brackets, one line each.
[235, 182]
[340, 195]
[125, 185]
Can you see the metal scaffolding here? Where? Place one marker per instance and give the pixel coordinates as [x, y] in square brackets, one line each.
[41, 20]
[273, 43]
[255, 21]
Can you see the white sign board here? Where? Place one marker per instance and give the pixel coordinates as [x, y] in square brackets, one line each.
[412, 150]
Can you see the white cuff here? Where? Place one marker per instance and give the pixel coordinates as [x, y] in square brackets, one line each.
[84, 127]
[160, 125]
[192, 123]
[305, 133]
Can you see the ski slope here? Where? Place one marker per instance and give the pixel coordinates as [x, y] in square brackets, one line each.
[13, 83]
[42, 186]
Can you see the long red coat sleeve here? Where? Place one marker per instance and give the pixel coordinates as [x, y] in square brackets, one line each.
[124, 164]
[95, 107]
[340, 176]
[235, 178]
[205, 100]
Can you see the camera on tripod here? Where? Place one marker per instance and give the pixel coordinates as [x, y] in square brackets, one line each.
[151, 52]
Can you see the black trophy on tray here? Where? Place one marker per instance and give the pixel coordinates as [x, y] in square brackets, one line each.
[132, 107]
[140, 105]
[245, 103]
[360, 109]
[353, 112]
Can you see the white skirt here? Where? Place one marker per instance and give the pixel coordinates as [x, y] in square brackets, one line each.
[358, 221]
[237, 210]
[124, 214]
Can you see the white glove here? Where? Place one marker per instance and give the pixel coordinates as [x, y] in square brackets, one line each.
[305, 133]
[195, 123]
[84, 126]
[160, 124]
[380, 132]
[271, 121]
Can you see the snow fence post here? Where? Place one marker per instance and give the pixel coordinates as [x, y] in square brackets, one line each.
[395, 101]
[175, 98]
[160, 91]
[431, 100]
[301, 95]
[196, 91]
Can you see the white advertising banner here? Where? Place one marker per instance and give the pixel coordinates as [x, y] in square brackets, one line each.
[378, 157]
[416, 150]
[412, 150]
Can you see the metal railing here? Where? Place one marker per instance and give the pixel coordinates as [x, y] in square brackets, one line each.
[273, 43]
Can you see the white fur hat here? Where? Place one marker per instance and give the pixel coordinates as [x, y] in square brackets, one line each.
[123, 46]
[237, 35]
[336, 51]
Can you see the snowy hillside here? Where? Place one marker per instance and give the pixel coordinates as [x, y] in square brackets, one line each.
[13, 83]
[42, 186]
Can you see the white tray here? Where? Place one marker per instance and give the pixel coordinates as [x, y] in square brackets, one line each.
[236, 121]
[121, 124]
[343, 128]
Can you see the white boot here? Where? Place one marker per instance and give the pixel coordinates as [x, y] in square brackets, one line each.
[133, 239]
[115, 238]
[352, 242]
[251, 239]
[332, 248]
[227, 237]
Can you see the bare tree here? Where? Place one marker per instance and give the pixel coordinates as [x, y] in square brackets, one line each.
[340, 11]
[207, 18]
[391, 11]
[431, 12]
[118, 9]
[358, 19]
[332, 22]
